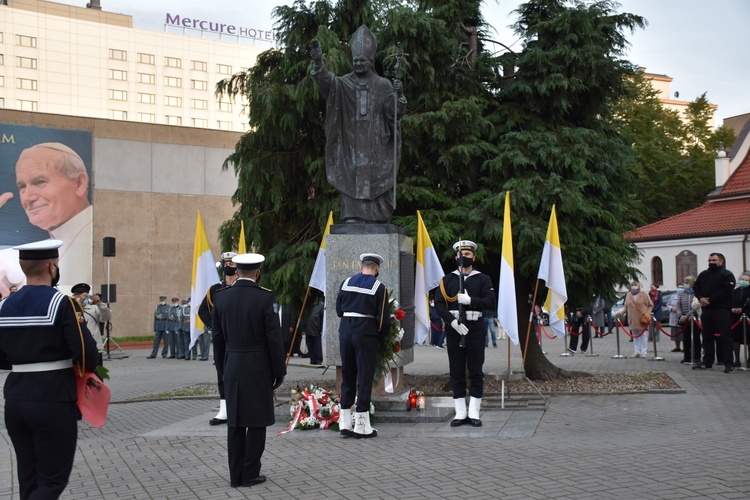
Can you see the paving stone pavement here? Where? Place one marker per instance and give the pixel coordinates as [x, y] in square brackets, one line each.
[639, 446]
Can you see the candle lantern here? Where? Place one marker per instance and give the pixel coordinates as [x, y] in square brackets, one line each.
[412, 399]
[422, 401]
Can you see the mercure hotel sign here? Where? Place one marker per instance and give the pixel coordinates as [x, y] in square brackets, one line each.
[219, 28]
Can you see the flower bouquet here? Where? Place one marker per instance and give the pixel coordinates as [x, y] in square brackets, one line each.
[314, 408]
[391, 344]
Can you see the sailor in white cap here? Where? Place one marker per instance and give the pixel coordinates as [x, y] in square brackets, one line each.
[245, 322]
[362, 305]
[39, 341]
[477, 295]
[205, 310]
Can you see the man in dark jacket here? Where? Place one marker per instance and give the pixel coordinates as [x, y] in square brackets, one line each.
[713, 289]
[41, 336]
[314, 331]
[244, 320]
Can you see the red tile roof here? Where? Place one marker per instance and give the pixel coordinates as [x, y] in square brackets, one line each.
[739, 181]
[711, 218]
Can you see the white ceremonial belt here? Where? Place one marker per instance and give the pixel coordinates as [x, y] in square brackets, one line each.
[470, 315]
[46, 366]
[358, 315]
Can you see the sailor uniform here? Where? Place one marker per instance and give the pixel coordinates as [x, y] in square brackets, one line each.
[362, 305]
[479, 287]
[39, 341]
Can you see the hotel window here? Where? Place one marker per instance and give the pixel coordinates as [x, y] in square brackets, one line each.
[146, 78]
[1, 37]
[173, 101]
[119, 55]
[2, 102]
[2, 81]
[25, 84]
[25, 41]
[116, 74]
[26, 105]
[171, 81]
[26, 62]
[172, 62]
[118, 95]
[199, 84]
[173, 120]
[146, 98]
[224, 125]
[200, 66]
[147, 117]
[116, 114]
[657, 274]
[200, 122]
[224, 69]
[145, 58]
[2, 59]
[225, 106]
[199, 104]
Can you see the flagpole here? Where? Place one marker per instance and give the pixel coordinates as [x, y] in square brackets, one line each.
[528, 329]
[296, 327]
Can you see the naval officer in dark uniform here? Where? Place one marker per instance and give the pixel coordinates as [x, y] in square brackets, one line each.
[244, 321]
[39, 342]
[478, 295]
[204, 313]
[362, 305]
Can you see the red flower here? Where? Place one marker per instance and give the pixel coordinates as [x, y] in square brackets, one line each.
[324, 400]
[400, 314]
[396, 345]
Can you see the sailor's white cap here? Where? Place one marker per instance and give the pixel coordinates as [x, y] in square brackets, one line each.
[248, 261]
[39, 250]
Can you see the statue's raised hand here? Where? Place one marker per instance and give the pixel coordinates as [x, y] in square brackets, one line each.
[316, 52]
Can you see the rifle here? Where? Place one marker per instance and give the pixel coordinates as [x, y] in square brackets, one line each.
[462, 289]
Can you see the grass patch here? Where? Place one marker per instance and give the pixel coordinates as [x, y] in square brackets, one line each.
[181, 392]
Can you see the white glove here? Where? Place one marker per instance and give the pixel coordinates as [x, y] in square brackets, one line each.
[461, 329]
[464, 299]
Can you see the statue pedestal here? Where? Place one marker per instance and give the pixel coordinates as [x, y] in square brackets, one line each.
[343, 247]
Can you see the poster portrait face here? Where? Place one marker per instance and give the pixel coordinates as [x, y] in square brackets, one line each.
[52, 185]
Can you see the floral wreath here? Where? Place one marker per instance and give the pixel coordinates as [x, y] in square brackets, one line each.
[390, 346]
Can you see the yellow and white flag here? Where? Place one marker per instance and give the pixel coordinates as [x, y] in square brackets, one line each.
[241, 248]
[551, 271]
[429, 273]
[318, 278]
[506, 292]
[204, 275]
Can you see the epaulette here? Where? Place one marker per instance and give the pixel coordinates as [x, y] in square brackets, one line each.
[264, 288]
[222, 289]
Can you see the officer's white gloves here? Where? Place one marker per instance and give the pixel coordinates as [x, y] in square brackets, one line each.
[461, 329]
[464, 299]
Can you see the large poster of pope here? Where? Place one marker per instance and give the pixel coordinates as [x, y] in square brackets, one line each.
[45, 192]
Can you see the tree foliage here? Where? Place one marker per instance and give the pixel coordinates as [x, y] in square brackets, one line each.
[549, 135]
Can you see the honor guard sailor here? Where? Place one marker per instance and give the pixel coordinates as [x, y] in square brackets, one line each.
[245, 322]
[204, 313]
[41, 336]
[362, 305]
[478, 294]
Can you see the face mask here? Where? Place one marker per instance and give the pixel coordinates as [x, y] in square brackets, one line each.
[85, 301]
[680, 290]
[56, 279]
[635, 289]
[465, 262]
[689, 289]
[163, 303]
[176, 304]
[744, 284]
[713, 266]
[230, 271]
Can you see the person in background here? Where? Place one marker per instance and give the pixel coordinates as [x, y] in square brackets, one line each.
[597, 316]
[638, 307]
[691, 337]
[437, 327]
[658, 301]
[713, 289]
[185, 328]
[314, 330]
[674, 319]
[740, 306]
[580, 329]
[174, 327]
[161, 316]
[490, 320]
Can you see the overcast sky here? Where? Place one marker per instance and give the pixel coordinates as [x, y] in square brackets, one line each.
[702, 44]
